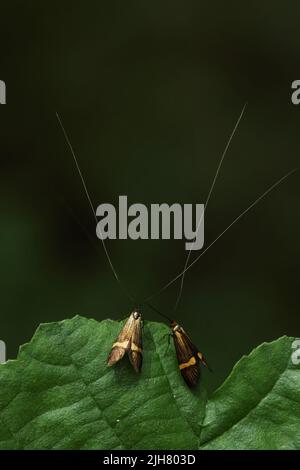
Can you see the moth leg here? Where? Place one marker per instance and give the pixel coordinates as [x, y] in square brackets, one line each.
[169, 335]
[204, 362]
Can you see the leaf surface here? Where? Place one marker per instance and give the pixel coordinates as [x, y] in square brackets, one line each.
[60, 394]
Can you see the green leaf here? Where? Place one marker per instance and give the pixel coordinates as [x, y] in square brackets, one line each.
[60, 394]
[258, 406]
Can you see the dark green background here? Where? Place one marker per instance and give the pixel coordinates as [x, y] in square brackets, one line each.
[149, 93]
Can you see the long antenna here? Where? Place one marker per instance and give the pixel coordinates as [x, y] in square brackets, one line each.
[207, 201]
[92, 208]
[158, 311]
[224, 231]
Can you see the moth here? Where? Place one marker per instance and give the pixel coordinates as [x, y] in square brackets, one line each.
[129, 341]
[188, 356]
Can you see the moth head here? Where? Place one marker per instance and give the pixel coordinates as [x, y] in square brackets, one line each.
[174, 326]
[136, 314]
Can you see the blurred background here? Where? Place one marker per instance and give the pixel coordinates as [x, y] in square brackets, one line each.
[149, 93]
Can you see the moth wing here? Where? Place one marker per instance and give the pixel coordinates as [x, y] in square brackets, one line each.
[184, 347]
[196, 352]
[190, 343]
[126, 331]
[122, 343]
[187, 356]
[135, 351]
[136, 360]
[191, 374]
[115, 355]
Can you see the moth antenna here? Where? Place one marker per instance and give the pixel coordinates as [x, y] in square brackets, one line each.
[92, 208]
[207, 201]
[277, 183]
[157, 311]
